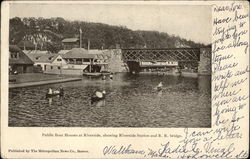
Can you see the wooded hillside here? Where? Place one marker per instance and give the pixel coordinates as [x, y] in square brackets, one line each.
[47, 34]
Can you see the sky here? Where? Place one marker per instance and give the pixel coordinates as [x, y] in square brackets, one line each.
[192, 22]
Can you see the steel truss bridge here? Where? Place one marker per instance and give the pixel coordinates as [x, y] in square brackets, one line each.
[133, 56]
[176, 54]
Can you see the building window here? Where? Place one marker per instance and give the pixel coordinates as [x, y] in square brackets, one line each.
[59, 59]
[78, 61]
[86, 60]
[58, 67]
[14, 55]
[51, 67]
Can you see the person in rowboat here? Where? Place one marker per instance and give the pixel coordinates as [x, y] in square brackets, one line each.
[50, 91]
[56, 92]
[61, 90]
[159, 87]
[98, 96]
[111, 76]
[103, 77]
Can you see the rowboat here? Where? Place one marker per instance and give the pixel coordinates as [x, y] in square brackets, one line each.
[97, 96]
[56, 93]
[96, 99]
[95, 74]
[159, 87]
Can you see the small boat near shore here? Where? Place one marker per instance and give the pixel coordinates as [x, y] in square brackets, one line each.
[95, 74]
[51, 93]
[96, 99]
[92, 74]
[54, 94]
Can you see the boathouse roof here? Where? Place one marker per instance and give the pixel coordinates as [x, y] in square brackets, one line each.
[22, 57]
[40, 57]
[63, 51]
[36, 52]
[70, 40]
[79, 53]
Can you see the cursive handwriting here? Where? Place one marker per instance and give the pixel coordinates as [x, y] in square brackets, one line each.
[231, 8]
[115, 150]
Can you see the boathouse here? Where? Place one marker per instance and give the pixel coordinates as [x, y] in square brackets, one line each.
[86, 60]
[46, 60]
[56, 66]
[19, 62]
[70, 43]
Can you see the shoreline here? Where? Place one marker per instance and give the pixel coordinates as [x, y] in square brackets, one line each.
[184, 74]
[38, 83]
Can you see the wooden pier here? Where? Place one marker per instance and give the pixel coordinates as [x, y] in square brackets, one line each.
[30, 84]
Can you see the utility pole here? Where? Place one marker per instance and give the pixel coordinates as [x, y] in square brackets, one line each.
[61, 68]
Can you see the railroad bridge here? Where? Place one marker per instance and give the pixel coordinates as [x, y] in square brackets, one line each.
[196, 58]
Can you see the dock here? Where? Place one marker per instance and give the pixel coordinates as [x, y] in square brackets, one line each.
[38, 83]
[92, 74]
[96, 74]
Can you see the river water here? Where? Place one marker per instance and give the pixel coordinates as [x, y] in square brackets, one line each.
[131, 101]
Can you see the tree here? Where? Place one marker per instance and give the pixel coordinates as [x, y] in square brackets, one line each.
[53, 47]
[100, 35]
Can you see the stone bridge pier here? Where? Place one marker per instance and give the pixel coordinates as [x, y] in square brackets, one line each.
[205, 65]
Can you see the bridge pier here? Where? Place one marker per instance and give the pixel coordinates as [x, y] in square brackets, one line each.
[204, 67]
[134, 66]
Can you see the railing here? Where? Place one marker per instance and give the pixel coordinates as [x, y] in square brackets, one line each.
[86, 63]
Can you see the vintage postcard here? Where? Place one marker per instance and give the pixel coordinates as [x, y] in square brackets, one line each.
[125, 79]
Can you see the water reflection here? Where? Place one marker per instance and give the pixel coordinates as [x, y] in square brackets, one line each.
[50, 101]
[204, 83]
[99, 103]
[130, 102]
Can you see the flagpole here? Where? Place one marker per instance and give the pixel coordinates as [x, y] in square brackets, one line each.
[80, 30]
[88, 44]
